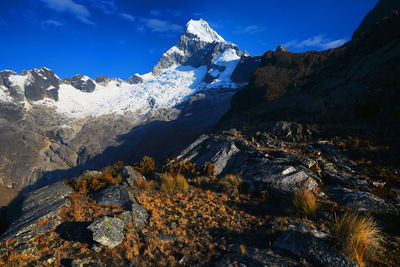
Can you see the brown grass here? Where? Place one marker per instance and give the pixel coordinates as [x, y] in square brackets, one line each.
[144, 185]
[208, 169]
[146, 166]
[358, 236]
[173, 183]
[305, 202]
[231, 184]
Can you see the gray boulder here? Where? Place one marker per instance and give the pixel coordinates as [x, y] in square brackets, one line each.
[108, 231]
[358, 200]
[216, 149]
[114, 195]
[129, 176]
[140, 215]
[315, 250]
[44, 203]
[81, 82]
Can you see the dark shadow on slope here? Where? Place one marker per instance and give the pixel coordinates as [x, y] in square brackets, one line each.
[75, 231]
[158, 139]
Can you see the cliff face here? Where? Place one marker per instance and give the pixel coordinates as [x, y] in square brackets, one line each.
[352, 84]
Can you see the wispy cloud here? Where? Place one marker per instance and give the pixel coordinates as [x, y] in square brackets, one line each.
[153, 24]
[107, 6]
[127, 17]
[70, 7]
[319, 41]
[53, 23]
[162, 26]
[251, 29]
[165, 12]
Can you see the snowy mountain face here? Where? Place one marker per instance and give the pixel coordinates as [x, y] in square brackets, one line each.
[201, 60]
[48, 126]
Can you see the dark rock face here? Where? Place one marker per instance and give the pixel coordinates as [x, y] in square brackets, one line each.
[102, 80]
[253, 257]
[43, 83]
[134, 79]
[44, 203]
[354, 84]
[81, 82]
[313, 249]
[384, 8]
[245, 68]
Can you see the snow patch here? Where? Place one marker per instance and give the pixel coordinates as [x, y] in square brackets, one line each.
[175, 50]
[229, 59]
[203, 31]
[4, 96]
[18, 80]
[169, 88]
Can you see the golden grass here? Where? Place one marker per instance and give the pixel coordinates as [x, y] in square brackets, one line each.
[144, 185]
[231, 184]
[305, 202]
[173, 183]
[358, 236]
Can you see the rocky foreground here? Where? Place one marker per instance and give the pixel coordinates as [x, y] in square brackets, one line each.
[121, 217]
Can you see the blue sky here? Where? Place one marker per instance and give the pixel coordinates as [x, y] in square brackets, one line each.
[119, 38]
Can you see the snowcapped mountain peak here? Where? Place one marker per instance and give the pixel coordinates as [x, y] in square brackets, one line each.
[203, 31]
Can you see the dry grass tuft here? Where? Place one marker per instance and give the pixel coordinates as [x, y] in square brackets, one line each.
[358, 236]
[305, 202]
[231, 184]
[173, 183]
[145, 186]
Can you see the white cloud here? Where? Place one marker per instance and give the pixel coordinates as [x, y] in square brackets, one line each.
[319, 41]
[127, 17]
[251, 29]
[53, 23]
[107, 6]
[69, 6]
[163, 26]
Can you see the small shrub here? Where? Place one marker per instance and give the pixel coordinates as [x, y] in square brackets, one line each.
[231, 184]
[305, 202]
[208, 169]
[146, 166]
[181, 166]
[172, 183]
[358, 236]
[242, 249]
[144, 185]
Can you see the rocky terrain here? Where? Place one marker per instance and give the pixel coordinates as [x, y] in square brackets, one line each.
[301, 171]
[47, 125]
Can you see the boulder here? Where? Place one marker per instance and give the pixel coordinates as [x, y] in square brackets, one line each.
[140, 215]
[108, 231]
[129, 176]
[315, 250]
[42, 204]
[358, 200]
[114, 195]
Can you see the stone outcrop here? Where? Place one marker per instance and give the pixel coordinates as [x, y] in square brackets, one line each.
[42, 204]
[108, 231]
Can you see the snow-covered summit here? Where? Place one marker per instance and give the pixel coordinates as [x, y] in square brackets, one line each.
[198, 46]
[203, 31]
[201, 60]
